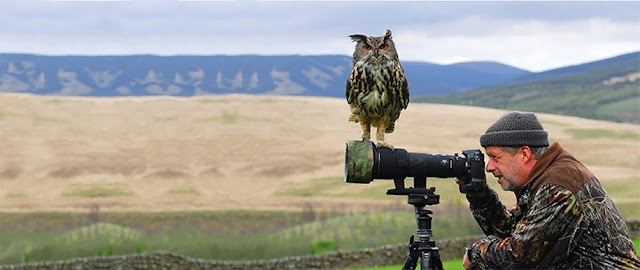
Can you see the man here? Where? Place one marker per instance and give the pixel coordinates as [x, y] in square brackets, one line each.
[563, 217]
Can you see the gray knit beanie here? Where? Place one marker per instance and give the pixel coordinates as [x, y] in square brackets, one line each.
[515, 129]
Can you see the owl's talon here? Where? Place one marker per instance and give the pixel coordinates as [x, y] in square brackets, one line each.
[385, 145]
[366, 136]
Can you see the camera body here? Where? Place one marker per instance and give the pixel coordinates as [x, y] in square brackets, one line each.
[364, 162]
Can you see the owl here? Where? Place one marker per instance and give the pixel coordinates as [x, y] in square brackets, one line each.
[377, 90]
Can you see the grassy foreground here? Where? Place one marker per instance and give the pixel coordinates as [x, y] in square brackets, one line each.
[28, 238]
[450, 264]
[301, 233]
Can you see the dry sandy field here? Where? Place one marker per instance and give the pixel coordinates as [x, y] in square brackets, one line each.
[244, 151]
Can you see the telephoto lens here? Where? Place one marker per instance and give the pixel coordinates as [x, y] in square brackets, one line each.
[365, 162]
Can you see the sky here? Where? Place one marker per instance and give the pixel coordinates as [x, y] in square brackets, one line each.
[535, 36]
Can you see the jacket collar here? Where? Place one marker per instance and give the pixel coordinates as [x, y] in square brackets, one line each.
[543, 162]
[541, 165]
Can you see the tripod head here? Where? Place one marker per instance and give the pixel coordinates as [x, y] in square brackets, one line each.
[419, 195]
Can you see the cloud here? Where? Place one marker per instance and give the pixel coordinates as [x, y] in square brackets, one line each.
[532, 44]
[533, 36]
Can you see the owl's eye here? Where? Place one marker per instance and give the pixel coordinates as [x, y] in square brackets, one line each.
[383, 46]
[367, 47]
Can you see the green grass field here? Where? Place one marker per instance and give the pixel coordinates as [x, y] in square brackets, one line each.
[98, 190]
[243, 235]
[449, 265]
[627, 106]
[581, 134]
[42, 236]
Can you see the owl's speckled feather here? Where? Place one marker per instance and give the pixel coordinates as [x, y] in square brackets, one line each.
[377, 89]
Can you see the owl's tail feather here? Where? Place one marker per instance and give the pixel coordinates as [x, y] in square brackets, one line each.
[390, 128]
[353, 119]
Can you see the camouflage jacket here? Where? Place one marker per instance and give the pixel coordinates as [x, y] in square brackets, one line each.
[563, 219]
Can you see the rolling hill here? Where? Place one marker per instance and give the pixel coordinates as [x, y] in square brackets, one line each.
[608, 89]
[257, 152]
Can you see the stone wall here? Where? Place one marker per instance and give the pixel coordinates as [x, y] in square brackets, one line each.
[634, 229]
[393, 254]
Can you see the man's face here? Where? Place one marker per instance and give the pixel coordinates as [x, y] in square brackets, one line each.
[506, 167]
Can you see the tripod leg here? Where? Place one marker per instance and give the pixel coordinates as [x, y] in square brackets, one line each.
[410, 262]
[413, 255]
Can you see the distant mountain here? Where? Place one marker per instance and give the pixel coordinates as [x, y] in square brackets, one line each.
[430, 79]
[608, 89]
[578, 68]
[139, 75]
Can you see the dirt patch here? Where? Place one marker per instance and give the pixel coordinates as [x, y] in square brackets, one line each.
[73, 165]
[168, 174]
[210, 172]
[10, 172]
[287, 169]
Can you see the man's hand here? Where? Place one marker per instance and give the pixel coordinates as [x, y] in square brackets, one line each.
[468, 264]
[461, 181]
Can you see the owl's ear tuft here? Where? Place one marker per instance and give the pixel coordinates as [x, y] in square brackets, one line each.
[387, 35]
[358, 37]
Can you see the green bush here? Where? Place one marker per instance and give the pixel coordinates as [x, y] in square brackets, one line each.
[323, 246]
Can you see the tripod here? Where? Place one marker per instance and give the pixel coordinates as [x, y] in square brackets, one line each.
[424, 249]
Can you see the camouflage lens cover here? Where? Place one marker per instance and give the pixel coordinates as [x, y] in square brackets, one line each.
[358, 162]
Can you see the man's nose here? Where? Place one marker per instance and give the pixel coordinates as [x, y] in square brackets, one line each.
[491, 166]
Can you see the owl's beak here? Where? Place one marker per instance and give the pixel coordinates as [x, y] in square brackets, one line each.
[375, 52]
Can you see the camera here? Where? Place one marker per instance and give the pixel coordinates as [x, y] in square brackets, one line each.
[365, 162]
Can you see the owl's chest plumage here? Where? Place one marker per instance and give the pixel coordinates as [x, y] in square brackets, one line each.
[376, 89]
